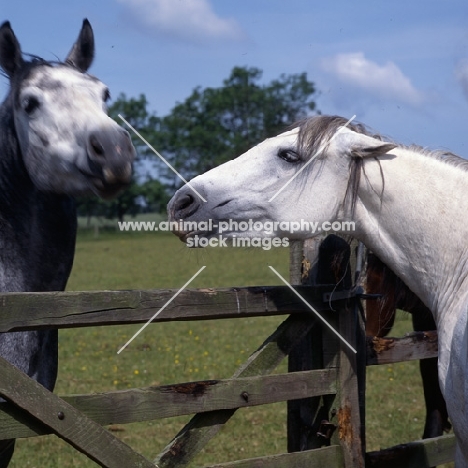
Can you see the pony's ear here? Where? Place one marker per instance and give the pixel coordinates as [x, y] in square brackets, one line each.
[361, 146]
[11, 58]
[81, 55]
[372, 151]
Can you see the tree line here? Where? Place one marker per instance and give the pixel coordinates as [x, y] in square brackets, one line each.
[210, 127]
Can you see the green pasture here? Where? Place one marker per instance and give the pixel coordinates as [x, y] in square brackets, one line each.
[185, 351]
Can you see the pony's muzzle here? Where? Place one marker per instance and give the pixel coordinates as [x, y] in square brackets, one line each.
[110, 156]
[183, 205]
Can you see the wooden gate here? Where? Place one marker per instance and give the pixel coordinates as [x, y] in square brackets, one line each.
[325, 385]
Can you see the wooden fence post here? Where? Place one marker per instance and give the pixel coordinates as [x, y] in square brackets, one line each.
[304, 416]
[311, 422]
[350, 398]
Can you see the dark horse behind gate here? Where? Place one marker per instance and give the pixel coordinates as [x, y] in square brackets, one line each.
[380, 317]
[56, 142]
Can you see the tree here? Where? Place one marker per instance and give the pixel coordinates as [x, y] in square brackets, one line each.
[214, 125]
[154, 195]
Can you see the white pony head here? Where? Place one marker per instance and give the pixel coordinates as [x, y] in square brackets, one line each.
[279, 180]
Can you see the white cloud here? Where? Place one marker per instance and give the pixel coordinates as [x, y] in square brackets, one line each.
[461, 74]
[383, 81]
[189, 20]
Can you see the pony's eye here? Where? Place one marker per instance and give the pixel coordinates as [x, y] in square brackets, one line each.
[30, 104]
[289, 155]
[106, 95]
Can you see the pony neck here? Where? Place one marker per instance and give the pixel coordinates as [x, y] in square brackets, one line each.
[417, 226]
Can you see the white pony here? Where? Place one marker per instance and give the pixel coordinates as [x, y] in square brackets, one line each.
[409, 206]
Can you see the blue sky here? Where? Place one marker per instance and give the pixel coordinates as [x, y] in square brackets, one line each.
[401, 67]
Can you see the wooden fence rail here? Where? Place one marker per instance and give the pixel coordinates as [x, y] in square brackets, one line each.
[32, 311]
[325, 385]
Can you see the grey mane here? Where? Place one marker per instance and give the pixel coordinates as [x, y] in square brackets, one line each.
[441, 155]
[315, 131]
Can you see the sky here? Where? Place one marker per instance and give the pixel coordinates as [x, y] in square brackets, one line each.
[400, 67]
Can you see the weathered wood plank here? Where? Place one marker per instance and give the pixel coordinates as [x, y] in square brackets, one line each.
[65, 421]
[200, 397]
[415, 345]
[136, 405]
[203, 427]
[16, 423]
[418, 454]
[327, 457]
[26, 311]
[349, 414]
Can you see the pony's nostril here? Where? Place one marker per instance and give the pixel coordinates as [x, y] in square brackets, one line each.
[184, 206]
[127, 135]
[184, 202]
[98, 149]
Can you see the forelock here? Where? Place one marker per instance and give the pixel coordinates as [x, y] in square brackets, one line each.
[43, 74]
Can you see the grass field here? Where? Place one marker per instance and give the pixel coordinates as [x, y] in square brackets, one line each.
[185, 351]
